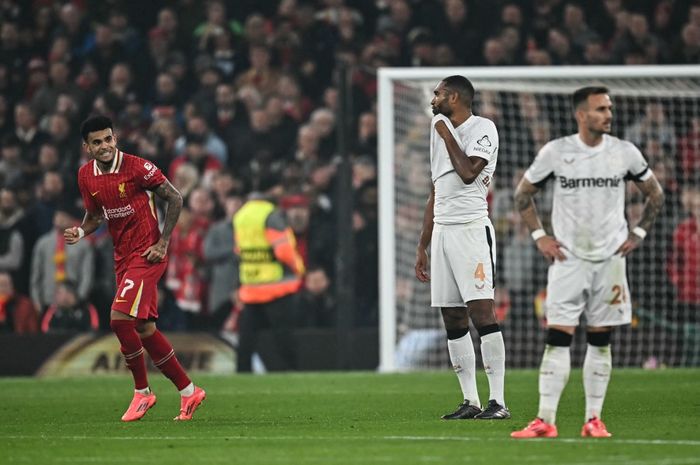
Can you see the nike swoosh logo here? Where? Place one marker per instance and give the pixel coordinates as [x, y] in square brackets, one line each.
[120, 300]
[94, 193]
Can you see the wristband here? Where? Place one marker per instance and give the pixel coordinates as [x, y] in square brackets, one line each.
[81, 232]
[639, 232]
[538, 234]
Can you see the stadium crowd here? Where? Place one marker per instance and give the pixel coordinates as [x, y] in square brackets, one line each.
[230, 97]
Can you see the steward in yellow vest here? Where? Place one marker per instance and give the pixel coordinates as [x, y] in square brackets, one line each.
[270, 265]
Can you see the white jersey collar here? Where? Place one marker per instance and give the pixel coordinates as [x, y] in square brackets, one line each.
[114, 168]
[587, 148]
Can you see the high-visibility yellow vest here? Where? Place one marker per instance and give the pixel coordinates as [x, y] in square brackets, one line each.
[258, 264]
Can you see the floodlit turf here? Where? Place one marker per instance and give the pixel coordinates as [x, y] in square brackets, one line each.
[344, 418]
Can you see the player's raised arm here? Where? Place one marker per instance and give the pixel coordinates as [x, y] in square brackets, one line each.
[654, 195]
[172, 196]
[91, 221]
[468, 168]
[525, 205]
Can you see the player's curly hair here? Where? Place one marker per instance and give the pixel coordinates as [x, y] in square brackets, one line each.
[95, 123]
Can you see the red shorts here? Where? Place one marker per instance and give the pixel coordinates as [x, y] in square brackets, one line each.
[137, 287]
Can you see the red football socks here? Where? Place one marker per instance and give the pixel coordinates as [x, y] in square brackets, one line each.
[132, 349]
[164, 359]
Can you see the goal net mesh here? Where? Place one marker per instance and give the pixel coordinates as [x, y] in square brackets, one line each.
[660, 115]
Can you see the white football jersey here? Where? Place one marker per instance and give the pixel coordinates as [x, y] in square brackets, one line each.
[455, 201]
[588, 214]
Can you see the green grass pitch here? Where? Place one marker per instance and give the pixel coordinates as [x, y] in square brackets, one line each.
[344, 418]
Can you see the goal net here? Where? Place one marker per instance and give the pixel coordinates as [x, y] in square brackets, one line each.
[657, 108]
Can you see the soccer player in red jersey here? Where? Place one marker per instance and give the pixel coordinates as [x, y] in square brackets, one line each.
[120, 188]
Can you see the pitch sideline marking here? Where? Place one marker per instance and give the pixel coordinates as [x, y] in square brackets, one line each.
[649, 442]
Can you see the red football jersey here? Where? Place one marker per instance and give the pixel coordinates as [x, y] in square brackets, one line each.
[123, 197]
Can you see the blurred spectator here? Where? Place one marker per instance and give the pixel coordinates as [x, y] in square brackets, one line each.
[231, 119]
[560, 48]
[366, 140]
[494, 52]
[686, 50]
[638, 39]
[106, 50]
[421, 47]
[74, 27]
[576, 27]
[216, 23]
[594, 52]
[12, 164]
[323, 120]
[684, 258]
[6, 121]
[68, 313]
[513, 45]
[653, 125]
[261, 75]
[307, 146]
[28, 132]
[63, 138]
[365, 228]
[167, 101]
[123, 32]
[298, 213]
[49, 159]
[198, 126]
[221, 261]
[196, 154]
[316, 302]
[606, 21]
[37, 77]
[121, 84]
[17, 314]
[524, 270]
[459, 32]
[53, 262]
[186, 277]
[50, 194]
[185, 178]
[282, 126]
[11, 240]
[689, 151]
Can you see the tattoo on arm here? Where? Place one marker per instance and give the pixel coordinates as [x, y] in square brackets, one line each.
[167, 192]
[654, 195]
[525, 205]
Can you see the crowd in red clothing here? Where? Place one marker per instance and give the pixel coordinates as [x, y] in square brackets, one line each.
[231, 96]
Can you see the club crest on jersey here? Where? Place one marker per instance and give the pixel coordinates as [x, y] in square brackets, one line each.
[484, 141]
[122, 190]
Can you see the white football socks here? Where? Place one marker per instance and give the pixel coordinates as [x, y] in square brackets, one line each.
[554, 373]
[596, 374]
[463, 361]
[493, 354]
[187, 390]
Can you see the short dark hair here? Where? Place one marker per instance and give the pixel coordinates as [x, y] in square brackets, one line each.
[95, 123]
[581, 95]
[462, 86]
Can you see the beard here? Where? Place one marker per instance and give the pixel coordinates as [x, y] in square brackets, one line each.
[441, 110]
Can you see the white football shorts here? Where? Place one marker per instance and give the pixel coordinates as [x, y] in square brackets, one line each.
[462, 263]
[597, 289]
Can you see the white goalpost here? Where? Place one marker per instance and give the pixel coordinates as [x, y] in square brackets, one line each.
[655, 107]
